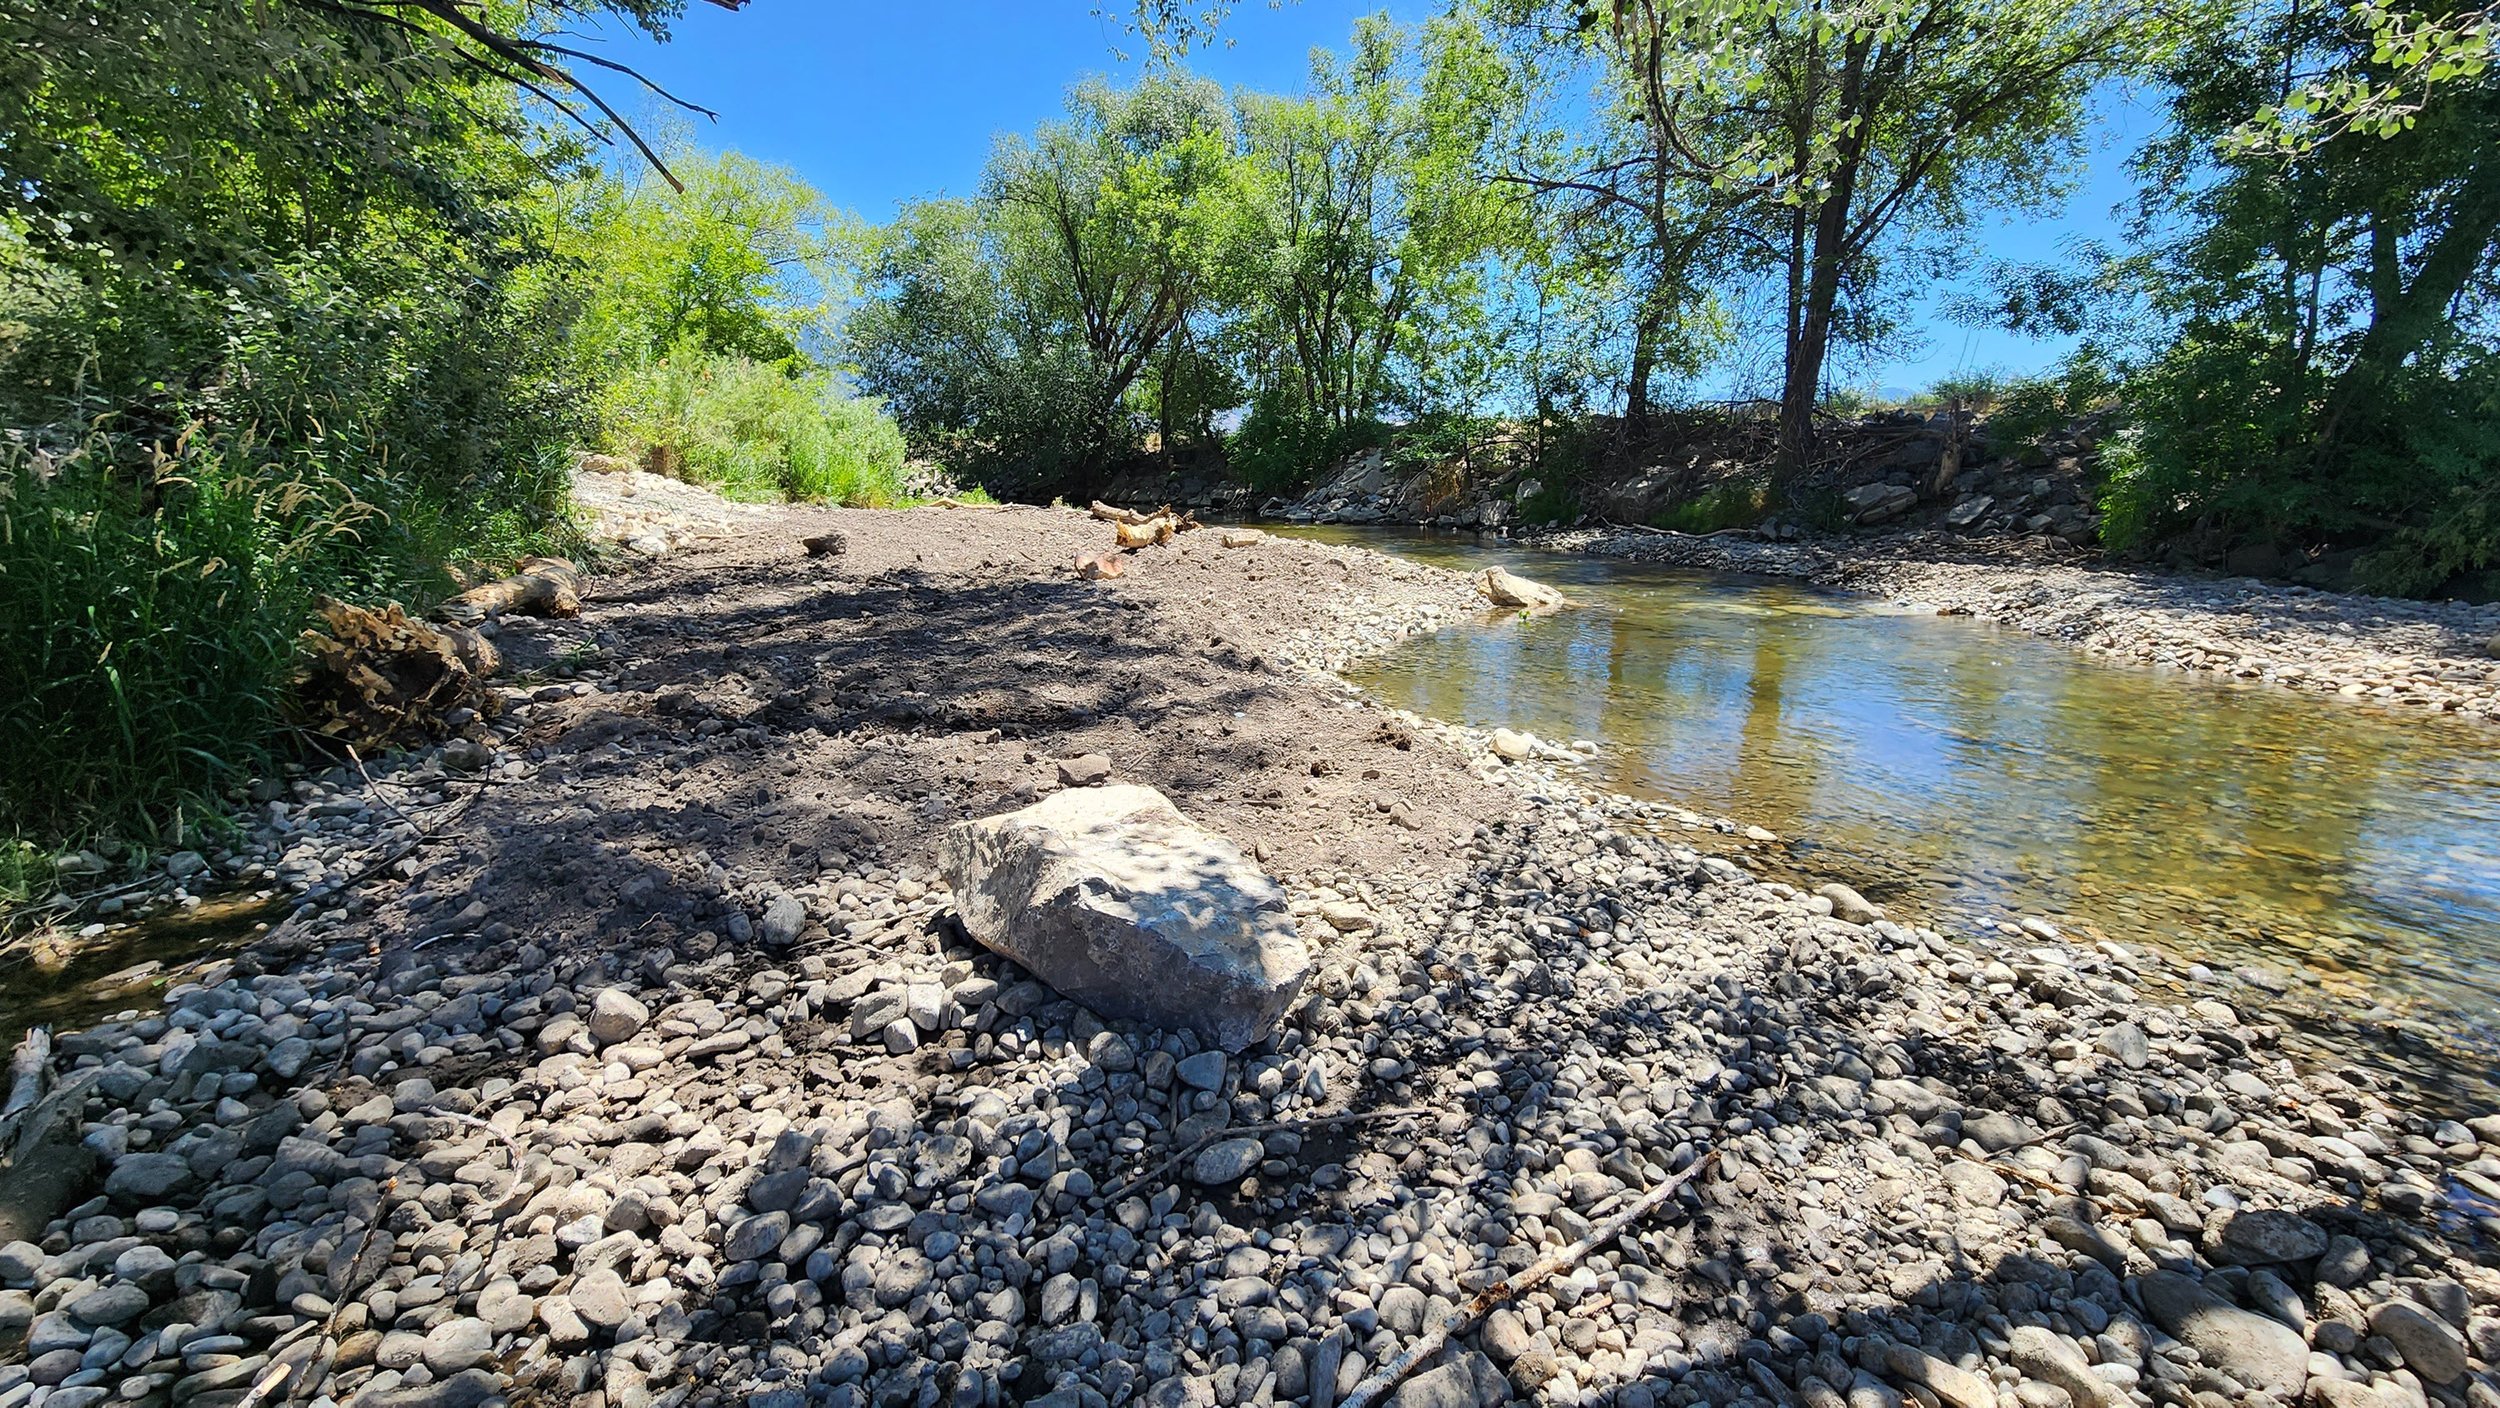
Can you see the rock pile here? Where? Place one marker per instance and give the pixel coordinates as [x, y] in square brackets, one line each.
[1971, 1173]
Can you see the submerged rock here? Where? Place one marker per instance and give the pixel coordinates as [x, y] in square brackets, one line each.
[1110, 896]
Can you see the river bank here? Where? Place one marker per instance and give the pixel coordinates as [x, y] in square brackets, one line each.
[650, 1068]
[2407, 656]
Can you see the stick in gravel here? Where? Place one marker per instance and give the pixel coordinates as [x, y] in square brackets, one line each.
[1509, 1288]
[1183, 1154]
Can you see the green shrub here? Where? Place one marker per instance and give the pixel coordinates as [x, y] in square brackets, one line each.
[2027, 410]
[1280, 448]
[1555, 501]
[759, 431]
[1735, 503]
[2224, 451]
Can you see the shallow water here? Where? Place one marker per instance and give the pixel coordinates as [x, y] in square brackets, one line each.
[125, 967]
[1953, 767]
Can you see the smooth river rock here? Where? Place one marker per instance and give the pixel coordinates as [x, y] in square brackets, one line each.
[2430, 1348]
[1110, 896]
[2263, 1353]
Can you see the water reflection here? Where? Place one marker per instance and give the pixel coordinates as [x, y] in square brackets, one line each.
[1987, 772]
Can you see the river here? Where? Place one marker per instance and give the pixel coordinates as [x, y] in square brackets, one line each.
[1949, 768]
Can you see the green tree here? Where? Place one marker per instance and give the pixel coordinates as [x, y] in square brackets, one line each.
[1373, 224]
[2313, 360]
[1016, 325]
[278, 317]
[1610, 216]
[1835, 130]
[745, 259]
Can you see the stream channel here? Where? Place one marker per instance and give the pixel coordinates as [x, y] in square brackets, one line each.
[1962, 772]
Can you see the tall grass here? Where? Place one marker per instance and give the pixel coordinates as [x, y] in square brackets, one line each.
[758, 431]
[147, 620]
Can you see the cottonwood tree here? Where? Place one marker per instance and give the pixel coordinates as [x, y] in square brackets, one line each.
[1827, 131]
[1371, 223]
[1019, 322]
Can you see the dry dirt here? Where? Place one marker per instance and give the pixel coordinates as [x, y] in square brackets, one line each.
[763, 718]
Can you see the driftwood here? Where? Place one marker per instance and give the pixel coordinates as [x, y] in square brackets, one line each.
[1146, 534]
[1621, 526]
[1137, 529]
[545, 586]
[372, 678]
[29, 1069]
[1509, 1288]
[1242, 1131]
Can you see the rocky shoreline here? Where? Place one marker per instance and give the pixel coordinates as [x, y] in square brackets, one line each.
[2413, 658]
[650, 1067]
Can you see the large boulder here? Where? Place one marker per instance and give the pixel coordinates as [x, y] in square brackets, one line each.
[1510, 590]
[2263, 1353]
[1110, 896]
[1873, 503]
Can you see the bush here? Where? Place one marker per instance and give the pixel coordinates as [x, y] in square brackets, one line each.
[2027, 410]
[1555, 501]
[1280, 448]
[147, 624]
[758, 431]
[2222, 452]
[1735, 503]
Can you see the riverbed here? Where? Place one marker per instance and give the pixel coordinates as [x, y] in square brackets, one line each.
[1964, 770]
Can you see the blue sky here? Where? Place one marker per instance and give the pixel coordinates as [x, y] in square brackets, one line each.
[879, 103]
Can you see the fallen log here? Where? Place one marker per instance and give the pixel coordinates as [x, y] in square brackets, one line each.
[1110, 514]
[29, 1068]
[544, 586]
[1146, 534]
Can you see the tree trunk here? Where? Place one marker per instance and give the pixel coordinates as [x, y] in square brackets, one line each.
[1644, 362]
[2400, 325]
[1811, 328]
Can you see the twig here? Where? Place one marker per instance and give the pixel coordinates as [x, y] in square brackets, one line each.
[1242, 1131]
[518, 1153]
[1386, 1377]
[268, 1382]
[375, 788]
